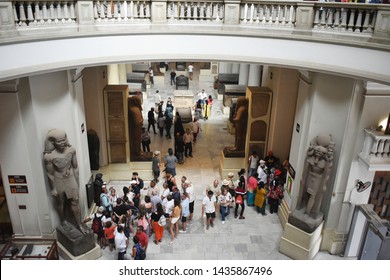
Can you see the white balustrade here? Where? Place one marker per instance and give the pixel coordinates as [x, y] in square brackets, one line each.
[191, 12]
[280, 15]
[43, 13]
[328, 16]
[376, 150]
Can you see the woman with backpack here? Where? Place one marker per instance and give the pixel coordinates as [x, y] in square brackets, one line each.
[97, 226]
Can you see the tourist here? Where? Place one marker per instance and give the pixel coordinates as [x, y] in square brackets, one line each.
[208, 209]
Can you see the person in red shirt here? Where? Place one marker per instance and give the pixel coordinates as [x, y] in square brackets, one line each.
[142, 237]
[109, 234]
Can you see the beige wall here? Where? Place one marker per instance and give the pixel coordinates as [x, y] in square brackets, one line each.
[284, 84]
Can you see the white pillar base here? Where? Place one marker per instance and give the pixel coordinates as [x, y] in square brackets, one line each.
[300, 245]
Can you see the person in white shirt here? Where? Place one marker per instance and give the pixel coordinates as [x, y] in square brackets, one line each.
[224, 201]
[190, 70]
[120, 242]
[164, 195]
[208, 207]
[191, 197]
[151, 76]
[261, 172]
[253, 161]
[157, 100]
[169, 205]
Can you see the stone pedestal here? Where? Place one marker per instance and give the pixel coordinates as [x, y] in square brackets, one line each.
[283, 213]
[74, 241]
[230, 164]
[93, 254]
[300, 245]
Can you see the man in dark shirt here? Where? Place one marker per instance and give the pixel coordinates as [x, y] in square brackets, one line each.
[173, 77]
[121, 208]
[137, 184]
[151, 120]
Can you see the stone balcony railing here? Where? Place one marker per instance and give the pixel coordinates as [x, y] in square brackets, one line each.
[376, 150]
[366, 25]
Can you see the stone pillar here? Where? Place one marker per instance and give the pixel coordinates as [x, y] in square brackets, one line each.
[223, 67]
[254, 75]
[86, 19]
[305, 15]
[235, 68]
[232, 12]
[7, 21]
[382, 24]
[159, 11]
[244, 73]
[122, 74]
[113, 74]
[229, 67]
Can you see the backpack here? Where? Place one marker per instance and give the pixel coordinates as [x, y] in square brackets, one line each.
[97, 224]
[140, 254]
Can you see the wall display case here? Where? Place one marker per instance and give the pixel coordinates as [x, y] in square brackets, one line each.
[30, 249]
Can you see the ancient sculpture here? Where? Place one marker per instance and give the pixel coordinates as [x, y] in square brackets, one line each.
[318, 166]
[63, 173]
[240, 122]
[136, 121]
[319, 162]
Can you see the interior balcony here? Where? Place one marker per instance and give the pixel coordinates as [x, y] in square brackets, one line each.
[376, 150]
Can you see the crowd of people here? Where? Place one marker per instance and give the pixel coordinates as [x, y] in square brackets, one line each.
[143, 211]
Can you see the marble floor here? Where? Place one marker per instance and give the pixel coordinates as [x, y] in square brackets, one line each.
[256, 237]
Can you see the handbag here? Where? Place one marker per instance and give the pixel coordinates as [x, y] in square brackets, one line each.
[239, 199]
[162, 221]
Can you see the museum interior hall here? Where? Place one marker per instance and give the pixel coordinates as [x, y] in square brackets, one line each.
[308, 81]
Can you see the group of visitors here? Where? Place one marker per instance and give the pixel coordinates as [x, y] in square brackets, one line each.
[203, 105]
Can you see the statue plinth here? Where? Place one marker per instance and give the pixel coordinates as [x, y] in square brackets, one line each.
[74, 241]
[228, 153]
[144, 156]
[305, 222]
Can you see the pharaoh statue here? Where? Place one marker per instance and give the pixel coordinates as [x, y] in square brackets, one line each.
[317, 168]
[136, 121]
[240, 122]
[63, 173]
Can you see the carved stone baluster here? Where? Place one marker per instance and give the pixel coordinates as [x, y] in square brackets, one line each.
[201, 11]
[59, 16]
[366, 21]
[251, 13]
[351, 21]
[30, 16]
[16, 19]
[291, 19]
[343, 25]
[374, 147]
[221, 11]
[329, 21]
[268, 17]
[258, 13]
[386, 148]
[381, 146]
[336, 23]
[131, 10]
[371, 25]
[195, 12]
[95, 10]
[182, 11]
[359, 22]
[102, 14]
[215, 11]
[72, 12]
[116, 11]
[323, 18]
[109, 11]
[67, 12]
[22, 15]
[121, 11]
[208, 12]
[147, 10]
[316, 21]
[45, 14]
[37, 13]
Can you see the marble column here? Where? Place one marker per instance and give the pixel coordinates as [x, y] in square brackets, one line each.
[254, 75]
[223, 67]
[244, 73]
[122, 73]
[235, 68]
[229, 67]
[113, 74]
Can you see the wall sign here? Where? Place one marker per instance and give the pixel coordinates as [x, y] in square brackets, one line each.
[19, 189]
[17, 179]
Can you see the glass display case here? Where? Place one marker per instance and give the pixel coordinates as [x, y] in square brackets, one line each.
[28, 249]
